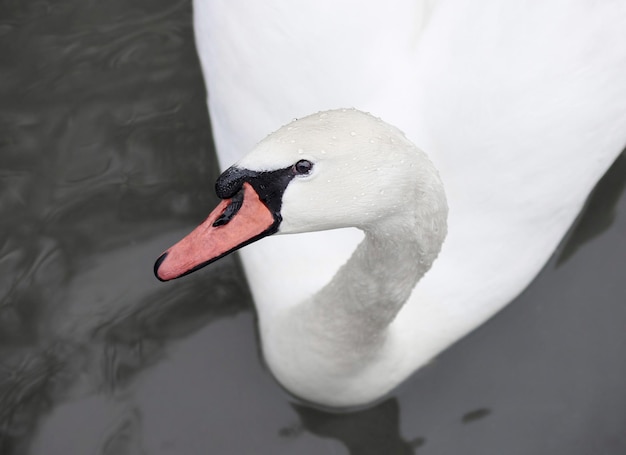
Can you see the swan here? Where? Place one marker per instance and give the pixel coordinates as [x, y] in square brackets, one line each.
[520, 107]
[336, 346]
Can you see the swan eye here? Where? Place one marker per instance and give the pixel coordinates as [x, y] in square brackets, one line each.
[303, 167]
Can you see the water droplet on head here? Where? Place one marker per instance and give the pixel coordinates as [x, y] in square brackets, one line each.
[352, 133]
[293, 141]
[300, 151]
[323, 152]
[371, 141]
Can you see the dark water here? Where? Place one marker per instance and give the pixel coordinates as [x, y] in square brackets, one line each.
[106, 159]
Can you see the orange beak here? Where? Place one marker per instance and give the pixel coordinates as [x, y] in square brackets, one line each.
[218, 235]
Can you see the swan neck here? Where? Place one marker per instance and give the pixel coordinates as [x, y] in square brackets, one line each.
[367, 292]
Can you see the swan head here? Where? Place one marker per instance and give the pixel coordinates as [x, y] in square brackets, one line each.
[333, 169]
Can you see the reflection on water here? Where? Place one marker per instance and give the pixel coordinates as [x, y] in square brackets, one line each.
[105, 160]
[371, 431]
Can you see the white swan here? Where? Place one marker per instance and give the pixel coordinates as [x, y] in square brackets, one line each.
[331, 170]
[521, 107]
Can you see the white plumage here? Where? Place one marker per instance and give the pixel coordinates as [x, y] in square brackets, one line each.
[520, 106]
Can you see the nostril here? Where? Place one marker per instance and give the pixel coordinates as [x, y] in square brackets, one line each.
[231, 210]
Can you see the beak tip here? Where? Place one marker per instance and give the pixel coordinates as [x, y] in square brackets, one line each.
[157, 264]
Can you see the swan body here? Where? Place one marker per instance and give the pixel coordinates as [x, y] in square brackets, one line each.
[521, 108]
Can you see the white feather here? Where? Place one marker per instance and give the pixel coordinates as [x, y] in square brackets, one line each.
[520, 105]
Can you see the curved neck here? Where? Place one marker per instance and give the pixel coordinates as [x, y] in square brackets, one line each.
[326, 341]
[346, 323]
[356, 307]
